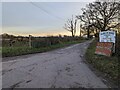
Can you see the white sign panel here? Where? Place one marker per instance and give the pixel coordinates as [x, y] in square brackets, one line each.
[107, 36]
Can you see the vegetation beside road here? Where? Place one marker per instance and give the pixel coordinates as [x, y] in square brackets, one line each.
[109, 66]
[15, 51]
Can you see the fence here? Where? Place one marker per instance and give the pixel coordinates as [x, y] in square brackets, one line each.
[37, 42]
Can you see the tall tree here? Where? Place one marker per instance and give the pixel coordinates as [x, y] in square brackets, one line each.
[86, 19]
[70, 25]
[80, 29]
[101, 15]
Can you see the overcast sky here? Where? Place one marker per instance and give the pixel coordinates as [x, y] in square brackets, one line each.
[38, 18]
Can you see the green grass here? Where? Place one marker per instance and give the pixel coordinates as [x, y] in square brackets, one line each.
[107, 65]
[15, 51]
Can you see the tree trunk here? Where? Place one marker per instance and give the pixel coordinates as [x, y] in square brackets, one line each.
[72, 34]
[88, 32]
[80, 30]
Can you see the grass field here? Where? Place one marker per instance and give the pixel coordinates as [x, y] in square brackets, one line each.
[15, 51]
[109, 66]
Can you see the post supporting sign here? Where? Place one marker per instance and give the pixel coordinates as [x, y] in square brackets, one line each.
[106, 44]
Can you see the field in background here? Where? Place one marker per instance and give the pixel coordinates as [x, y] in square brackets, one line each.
[15, 46]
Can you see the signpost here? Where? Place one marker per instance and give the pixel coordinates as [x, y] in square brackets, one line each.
[106, 44]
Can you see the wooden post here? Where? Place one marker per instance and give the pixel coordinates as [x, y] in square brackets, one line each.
[30, 41]
[114, 44]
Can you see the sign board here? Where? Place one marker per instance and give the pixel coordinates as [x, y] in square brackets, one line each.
[107, 36]
[104, 48]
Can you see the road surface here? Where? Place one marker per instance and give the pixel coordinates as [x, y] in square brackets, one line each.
[61, 68]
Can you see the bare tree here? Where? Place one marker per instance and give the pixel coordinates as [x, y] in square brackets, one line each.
[80, 29]
[86, 19]
[70, 25]
[101, 15]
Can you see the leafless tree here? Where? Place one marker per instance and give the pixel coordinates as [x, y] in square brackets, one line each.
[85, 18]
[80, 29]
[70, 25]
[102, 15]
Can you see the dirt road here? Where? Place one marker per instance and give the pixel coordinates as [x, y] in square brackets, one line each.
[62, 68]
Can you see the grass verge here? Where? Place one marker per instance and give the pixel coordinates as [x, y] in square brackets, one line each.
[107, 65]
[16, 51]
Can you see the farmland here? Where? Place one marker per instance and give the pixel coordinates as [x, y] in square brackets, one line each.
[14, 46]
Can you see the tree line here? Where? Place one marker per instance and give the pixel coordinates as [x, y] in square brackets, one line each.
[96, 17]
